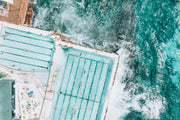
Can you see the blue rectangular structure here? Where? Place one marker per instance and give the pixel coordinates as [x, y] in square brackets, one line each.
[28, 52]
[25, 50]
[82, 86]
[5, 100]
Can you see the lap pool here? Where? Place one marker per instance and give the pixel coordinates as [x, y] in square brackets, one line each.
[81, 85]
[27, 52]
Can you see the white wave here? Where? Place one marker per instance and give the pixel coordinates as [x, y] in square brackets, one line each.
[122, 100]
[118, 105]
[39, 19]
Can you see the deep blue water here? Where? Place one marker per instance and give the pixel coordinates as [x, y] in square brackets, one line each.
[145, 33]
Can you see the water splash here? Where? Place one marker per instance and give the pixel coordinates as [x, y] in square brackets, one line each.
[94, 24]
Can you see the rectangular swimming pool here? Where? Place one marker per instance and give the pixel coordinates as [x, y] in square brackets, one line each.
[28, 52]
[81, 88]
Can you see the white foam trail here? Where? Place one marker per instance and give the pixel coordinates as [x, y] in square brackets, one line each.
[39, 20]
[123, 100]
[118, 106]
[153, 108]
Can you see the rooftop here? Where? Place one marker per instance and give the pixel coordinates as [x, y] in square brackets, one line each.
[13, 11]
[5, 100]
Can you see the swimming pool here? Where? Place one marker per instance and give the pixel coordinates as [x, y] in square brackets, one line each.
[81, 85]
[26, 51]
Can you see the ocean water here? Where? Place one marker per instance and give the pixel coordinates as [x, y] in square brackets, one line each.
[146, 35]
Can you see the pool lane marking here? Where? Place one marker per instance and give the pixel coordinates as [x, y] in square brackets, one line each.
[78, 84]
[25, 56]
[61, 84]
[25, 51]
[24, 63]
[97, 87]
[28, 43]
[32, 38]
[66, 86]
[72, 88]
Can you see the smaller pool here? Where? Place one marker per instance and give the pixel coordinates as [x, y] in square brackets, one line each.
[25, 51]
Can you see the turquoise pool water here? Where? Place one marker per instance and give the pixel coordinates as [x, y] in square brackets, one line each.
[81, 87]
[24, 51]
